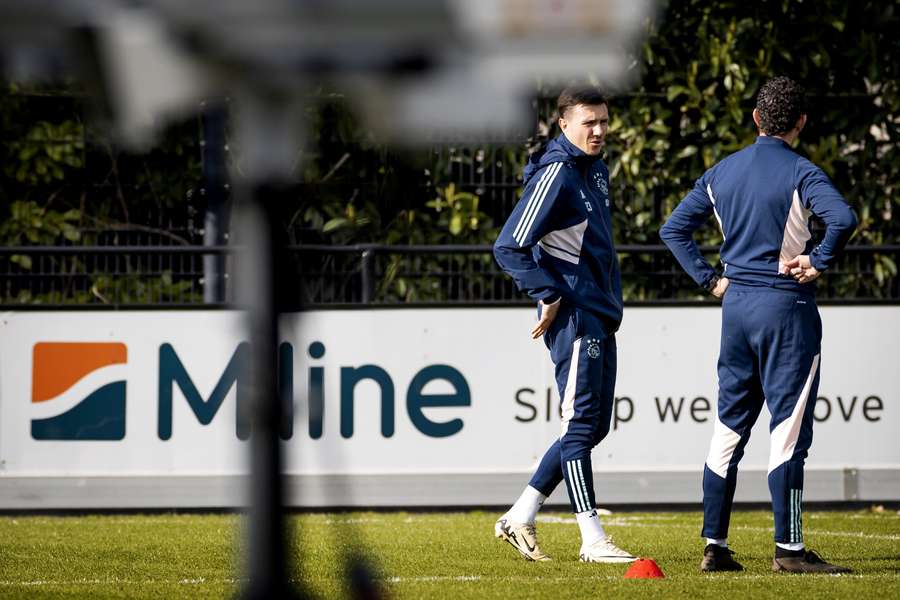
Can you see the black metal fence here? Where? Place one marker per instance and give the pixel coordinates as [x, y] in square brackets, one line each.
[148, 250]
[366, 276]
[103, 276]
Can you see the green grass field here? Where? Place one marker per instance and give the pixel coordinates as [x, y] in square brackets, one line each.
[435, 555]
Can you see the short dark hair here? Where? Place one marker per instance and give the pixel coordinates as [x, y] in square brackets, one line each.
[578, 94]
[780, 103]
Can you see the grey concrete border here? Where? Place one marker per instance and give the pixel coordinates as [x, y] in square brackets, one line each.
[417, 490]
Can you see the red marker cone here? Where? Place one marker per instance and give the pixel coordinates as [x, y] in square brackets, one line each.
[644, 568]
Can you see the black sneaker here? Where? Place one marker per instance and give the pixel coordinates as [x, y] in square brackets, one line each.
[809, 562]
[718, 558]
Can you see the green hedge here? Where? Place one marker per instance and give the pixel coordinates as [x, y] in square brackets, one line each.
[700, 67]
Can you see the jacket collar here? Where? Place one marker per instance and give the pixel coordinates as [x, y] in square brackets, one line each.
[575, 153]
[772, 140]
[559, 149]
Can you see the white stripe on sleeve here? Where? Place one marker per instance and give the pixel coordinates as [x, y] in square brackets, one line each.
[537, 209]
[531, 202]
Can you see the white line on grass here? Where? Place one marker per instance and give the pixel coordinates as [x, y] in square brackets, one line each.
[137, 520]
[748, 576]
[817, 532]
[443, 578]
[554, 519]
[587, 577]
[430, 578]
[813, 532]
[622, 522]
[614, 519]
[115, 581]
[351, 521]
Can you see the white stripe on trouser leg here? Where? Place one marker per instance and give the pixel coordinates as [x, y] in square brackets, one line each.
[531, 202]
[575, 499]
[784, 436]
[796, 521]
[791, 517]
[572, 489]
[584, 491]
[721, 448]
[568, 403]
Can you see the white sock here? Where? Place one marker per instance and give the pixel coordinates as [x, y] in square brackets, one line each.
[718, 542]
[591, 529]
[526, 507]
[793, 547]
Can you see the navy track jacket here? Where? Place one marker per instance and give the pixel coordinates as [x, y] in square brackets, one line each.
[762, 196]
[558, 240]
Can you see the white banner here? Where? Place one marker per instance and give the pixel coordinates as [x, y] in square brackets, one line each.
[429, 391]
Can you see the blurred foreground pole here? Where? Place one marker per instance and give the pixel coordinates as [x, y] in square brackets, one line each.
[264, 128]
[264, 556]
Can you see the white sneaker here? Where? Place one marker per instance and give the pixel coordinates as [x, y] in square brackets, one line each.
[604, 551]
[522, 537]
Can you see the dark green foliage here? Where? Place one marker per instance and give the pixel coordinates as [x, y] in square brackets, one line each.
[700, 68]
[65, 183]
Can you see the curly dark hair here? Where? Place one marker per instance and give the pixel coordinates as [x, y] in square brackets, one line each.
[780, 103]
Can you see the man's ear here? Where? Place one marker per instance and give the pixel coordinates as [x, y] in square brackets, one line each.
[756, 117]
[801, 123]
[562, 123]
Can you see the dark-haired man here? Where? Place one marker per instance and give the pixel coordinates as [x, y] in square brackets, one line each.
[557, 245]
[763, 197]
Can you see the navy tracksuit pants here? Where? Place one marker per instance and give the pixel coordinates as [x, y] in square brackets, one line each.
[770, 350]
[584, 356]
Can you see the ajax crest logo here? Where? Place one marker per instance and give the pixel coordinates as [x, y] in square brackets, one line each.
[601, 183]
[78, 391]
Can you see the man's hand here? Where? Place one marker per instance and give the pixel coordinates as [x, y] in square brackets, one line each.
[800, 269]
[720, 288]
[548, 313]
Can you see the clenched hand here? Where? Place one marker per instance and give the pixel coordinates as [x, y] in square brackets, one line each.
[720, 288]
[800, 269]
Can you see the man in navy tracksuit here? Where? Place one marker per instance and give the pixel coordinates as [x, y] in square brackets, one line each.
[557, 245]
[763, 197]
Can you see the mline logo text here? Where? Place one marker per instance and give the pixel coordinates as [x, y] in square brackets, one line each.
[79, 392]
